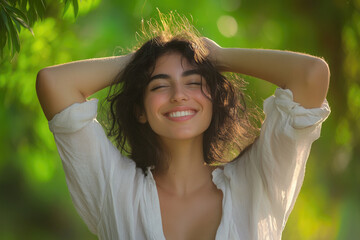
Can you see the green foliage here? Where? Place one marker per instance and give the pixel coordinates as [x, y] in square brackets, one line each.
[75, 4]
[22, 13]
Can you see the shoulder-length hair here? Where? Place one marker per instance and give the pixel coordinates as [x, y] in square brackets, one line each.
[230, 130]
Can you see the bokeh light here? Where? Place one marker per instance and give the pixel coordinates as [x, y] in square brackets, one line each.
[227, 26]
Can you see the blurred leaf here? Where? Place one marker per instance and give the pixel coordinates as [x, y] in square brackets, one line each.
[76, 7]
[17, 24]
[40, 8]
[343, 134]
[14, 11]
[66, 6]
[6, 23]
[14, 38]
[354, 100]
[23, 13]
[12, 18]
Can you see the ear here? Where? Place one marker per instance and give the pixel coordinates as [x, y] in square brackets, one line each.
[142, 118]
[140, 114]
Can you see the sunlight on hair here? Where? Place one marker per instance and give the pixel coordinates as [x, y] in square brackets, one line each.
[227, 26]
[170, 26]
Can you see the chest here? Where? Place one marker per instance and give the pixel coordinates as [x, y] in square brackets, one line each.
[191, 217]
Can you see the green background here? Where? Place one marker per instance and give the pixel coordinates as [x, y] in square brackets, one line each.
[34, 200]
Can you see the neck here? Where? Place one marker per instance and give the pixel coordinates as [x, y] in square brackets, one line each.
[184, 172]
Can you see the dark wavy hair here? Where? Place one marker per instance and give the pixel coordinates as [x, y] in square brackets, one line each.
[230, 130]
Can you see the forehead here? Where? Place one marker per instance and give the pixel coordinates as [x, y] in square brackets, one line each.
[170, 62]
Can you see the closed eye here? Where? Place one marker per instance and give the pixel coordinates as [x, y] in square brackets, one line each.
[157, 87]
[195, 83]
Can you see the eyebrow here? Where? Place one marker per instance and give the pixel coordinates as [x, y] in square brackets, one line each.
[166, 76]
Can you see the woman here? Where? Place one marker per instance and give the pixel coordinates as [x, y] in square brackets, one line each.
[175, 115]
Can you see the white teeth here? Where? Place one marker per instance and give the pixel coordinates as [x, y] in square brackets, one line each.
[181, 113]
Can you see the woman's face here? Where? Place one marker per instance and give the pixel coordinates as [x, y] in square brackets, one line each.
[174, 101]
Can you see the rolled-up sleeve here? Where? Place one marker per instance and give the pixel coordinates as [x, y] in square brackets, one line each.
[88, 158]
[267, 178]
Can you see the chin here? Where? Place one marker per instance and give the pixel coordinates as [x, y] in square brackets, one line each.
[182, 136]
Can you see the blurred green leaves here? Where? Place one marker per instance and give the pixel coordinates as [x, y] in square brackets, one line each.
[18, 14]
[11, 21]
[75, 4]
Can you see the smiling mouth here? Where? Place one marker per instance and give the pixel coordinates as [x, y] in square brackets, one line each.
[178, 114]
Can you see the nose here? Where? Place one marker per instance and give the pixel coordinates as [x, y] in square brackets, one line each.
[178, 94]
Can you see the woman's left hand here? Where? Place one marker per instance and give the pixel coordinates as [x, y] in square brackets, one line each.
[214, 53]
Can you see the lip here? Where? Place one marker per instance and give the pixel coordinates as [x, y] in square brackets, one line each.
[181, 109]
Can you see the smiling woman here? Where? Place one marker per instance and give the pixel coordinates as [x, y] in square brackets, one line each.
[175, 105]
[173, 68]
[178, 119]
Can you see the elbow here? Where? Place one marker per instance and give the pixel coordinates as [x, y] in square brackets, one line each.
[43, 81]
[40, 81]
[40, 78]
[317, 80]
[311, 86]
[319, 75]
[44, 85]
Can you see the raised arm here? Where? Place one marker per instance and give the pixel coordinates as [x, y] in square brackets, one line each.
[306, 76]
[62, 85]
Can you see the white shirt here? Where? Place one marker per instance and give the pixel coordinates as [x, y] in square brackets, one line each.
[117, 201]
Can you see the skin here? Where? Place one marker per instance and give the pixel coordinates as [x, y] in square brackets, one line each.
[186, 193]
[176, 87]
[62, 85]
[190, 202]
[306, 76]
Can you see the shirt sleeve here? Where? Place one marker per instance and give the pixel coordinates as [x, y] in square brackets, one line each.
[88, 158]
[267, 178]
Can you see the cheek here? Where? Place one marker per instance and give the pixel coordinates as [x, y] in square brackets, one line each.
[203, 96]
[153, 103]
[206, 91]
[204, 99]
